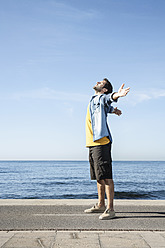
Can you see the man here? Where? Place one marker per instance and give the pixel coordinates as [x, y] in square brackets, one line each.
[99, 140]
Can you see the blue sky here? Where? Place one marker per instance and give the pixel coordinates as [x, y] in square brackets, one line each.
[53, 52]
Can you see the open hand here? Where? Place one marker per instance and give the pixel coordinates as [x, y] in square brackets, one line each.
[123, 92]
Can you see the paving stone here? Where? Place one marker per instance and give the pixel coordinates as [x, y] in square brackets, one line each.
[77, 239]
[4, 237]
[154, 239]
[121, 239]
[31, 240]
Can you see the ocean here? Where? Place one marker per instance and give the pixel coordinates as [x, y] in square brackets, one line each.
[71, 180]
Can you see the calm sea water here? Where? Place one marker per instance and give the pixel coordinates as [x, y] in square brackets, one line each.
[71, 180]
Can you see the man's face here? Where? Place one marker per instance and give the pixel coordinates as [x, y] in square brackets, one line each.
[99, 86]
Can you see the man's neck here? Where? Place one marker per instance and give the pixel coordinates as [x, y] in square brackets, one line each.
[98, 93]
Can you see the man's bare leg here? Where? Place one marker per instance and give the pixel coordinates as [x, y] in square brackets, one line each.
[101, 192]
[109, 188]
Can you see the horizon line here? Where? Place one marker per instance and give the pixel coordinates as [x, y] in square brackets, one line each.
[85, 160]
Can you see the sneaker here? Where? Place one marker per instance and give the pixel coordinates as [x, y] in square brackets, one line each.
[95, 209]
[108, 214]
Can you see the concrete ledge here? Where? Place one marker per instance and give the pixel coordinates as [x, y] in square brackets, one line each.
[77, 202]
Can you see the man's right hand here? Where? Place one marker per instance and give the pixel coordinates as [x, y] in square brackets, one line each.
[121, 92]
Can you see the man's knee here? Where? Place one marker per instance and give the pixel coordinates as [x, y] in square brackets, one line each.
[108, 181]
[102, 182]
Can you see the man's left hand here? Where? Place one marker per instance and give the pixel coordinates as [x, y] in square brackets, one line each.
[117, 111]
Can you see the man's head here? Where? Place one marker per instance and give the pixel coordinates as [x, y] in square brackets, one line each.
[103, 87]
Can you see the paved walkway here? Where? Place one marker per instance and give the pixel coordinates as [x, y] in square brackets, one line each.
[63, 223]
[82, 239]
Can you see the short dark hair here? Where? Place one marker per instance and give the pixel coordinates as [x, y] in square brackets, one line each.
[108, 86]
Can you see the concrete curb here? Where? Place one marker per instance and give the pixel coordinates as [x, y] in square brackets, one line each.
[77, 202]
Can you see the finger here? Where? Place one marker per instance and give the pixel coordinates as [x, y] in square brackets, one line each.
[127, 88]
[127, 91]
[122, 86]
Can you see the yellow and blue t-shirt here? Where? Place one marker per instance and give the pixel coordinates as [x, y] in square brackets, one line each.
[89, 134]
[97, 130]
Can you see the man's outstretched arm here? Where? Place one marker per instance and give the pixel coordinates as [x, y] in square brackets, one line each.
[121, 92]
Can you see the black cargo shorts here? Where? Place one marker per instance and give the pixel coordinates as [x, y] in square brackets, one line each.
[100, 162]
